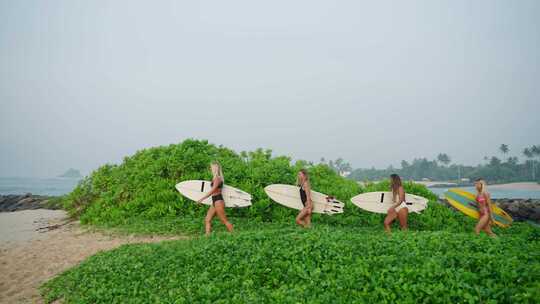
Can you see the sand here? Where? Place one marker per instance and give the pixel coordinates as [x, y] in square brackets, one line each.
[28, 257]
[525, 186]
[18, 227]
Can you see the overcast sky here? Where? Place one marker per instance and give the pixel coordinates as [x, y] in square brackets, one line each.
[83, 83]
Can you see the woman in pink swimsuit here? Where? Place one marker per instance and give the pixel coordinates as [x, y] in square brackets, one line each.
[484, 208]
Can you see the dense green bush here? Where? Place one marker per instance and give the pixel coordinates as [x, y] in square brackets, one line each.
[141, 189]
[320, 265]
[143, 184]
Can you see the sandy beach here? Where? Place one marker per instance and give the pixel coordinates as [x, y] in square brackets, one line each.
[525, 186]
[30, 253]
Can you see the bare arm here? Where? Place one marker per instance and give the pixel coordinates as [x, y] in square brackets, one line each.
[309, 202]
[490, 205]
[214, 189]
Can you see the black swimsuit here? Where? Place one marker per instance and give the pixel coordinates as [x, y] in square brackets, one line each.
[303, 196]
[217, 197]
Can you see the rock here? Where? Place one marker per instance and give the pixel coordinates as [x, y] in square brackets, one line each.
[521, 209]
[9, 203]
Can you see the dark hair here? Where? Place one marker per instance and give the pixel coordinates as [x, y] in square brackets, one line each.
[395, 183]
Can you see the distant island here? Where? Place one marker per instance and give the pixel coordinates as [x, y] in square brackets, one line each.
[71, 173]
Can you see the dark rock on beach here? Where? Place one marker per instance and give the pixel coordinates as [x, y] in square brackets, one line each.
[521, 209]
[9, 203]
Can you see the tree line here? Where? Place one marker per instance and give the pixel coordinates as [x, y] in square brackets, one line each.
[501, 168]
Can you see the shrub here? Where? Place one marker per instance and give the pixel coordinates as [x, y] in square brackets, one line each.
[141, 188]
[143, 184]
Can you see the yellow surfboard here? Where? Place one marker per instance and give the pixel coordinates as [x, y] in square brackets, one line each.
[466, 202]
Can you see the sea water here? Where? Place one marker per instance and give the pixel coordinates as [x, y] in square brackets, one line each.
[61, 186]
[495, 193]
[38, 186]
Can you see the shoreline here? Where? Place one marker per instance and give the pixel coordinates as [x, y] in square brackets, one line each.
[513, 186]
[519, 186]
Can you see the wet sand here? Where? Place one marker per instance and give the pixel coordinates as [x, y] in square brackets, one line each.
[28, 257]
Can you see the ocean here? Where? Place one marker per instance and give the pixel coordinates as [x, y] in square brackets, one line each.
[60, 186]
[38, 186]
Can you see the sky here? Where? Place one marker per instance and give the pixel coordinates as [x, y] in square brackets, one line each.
[83, 83]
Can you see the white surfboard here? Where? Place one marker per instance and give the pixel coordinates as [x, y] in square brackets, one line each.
[380, 202]
[289, 196]
[196, 189]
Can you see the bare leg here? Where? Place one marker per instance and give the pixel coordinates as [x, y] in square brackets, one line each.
[220, 211]
[390, 217]
[488, 231]
[482, 222]
[208, 220]
[300, 217]
[402, 216]
[307, 220]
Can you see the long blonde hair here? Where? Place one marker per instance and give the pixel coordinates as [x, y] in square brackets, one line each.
[483, 188]
[395, 183]
[306, 178]
[218, 172]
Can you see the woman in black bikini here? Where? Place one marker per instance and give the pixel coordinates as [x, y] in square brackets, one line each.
[304, 217]
[218, 205]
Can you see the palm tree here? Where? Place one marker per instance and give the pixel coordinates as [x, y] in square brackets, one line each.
[443, 158]
[504, 149]
[529, 154]
[495, 162]
[535, 151]
[339, 164]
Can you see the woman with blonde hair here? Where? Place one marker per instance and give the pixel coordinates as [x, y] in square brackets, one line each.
[399, 210]
[218, 204]
[304, 217]
[483, 198]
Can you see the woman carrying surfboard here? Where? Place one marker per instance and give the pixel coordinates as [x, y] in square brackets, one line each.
[399, 209]
[218, 204]
[304, 217]
[483, 198]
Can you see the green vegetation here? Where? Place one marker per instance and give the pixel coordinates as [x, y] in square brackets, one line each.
[142, 186]
[139, 195]
[345, 258]
[493, 170]
[56, 202]
[321, 265]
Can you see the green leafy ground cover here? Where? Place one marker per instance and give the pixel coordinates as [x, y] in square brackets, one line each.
[321, 265]
[345, 258]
